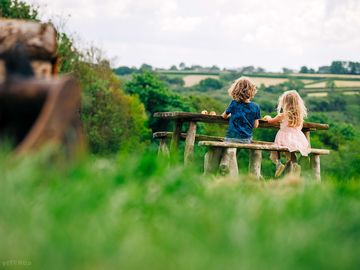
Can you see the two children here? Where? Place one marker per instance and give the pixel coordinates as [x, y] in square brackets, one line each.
[244, 117]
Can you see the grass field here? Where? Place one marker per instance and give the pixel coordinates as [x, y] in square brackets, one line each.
[191, 80]
[137, 213]
[268, 79]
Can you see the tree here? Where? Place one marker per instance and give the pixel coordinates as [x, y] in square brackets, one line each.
[173, 67]
[260, 70]
[304, 69]
[215, 69]
[324, 70]
[182, 66]
[15, 9]
[338, 67]
[210, 84]
[145, 67]
[248, 70]
[156, 97]
[287, 70]
[124, 70]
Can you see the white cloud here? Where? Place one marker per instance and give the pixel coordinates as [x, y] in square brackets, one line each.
[268, 33]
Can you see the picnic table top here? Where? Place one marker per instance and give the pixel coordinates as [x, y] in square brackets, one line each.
[206, 118]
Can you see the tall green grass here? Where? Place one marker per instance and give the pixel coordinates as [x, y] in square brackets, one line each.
[141, 213]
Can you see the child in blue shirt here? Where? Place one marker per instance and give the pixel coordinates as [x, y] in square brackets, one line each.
[244, 114]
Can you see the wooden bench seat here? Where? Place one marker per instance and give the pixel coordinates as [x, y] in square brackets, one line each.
[163, 136]
[216, 157]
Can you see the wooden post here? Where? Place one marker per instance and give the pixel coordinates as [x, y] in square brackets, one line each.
[176, 136]
[307, 135]
[228, 164]
[212, 159]
[255, 157]
[189, 143]
[315, 165]
[163, 148]
[225, 162]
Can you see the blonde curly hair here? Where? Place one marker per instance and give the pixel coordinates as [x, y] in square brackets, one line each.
[293, 108]
[242, 89]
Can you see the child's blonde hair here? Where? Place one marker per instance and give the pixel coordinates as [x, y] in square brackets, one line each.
[242, 89]
[293, 107]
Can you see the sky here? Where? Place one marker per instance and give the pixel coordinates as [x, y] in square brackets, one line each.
[228, 33]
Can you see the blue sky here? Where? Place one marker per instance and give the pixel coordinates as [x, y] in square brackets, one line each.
[228, 33]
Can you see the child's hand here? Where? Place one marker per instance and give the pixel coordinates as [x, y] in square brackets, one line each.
[225, 116]
[267, 118]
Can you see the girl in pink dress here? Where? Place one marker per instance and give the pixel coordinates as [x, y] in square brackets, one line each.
[291, 113]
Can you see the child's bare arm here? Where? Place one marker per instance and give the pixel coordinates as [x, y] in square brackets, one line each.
[256, 123]
[225, 116]
[276, 119]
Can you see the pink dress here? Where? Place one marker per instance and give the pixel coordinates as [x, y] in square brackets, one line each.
[292, 138]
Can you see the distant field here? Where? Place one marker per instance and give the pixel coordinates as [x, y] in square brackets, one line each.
[347, 83]
[343, 76]
[191, 80]
[315, 84]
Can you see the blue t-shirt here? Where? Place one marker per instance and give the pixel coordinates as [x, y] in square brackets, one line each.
[243, 116]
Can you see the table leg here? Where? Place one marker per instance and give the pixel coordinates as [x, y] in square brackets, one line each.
[176, 136]
[189, 143]
[315, 165]
[255, 163]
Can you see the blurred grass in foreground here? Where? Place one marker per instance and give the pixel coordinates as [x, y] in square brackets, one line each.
[137, 213]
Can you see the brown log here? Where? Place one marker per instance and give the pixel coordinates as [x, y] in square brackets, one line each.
[38, 112]
[212, 160]
[255, 163]
[39, 39]
[189, 143]
[2, 71]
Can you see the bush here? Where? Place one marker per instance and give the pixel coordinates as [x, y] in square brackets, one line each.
[210, 84]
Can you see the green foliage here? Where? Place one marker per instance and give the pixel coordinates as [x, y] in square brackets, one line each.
[15, 9]
[139, 213]
[111, 119]
[292, 84]
[333, 102]
[124, 70]
[210, 84]
[172, 81]
[156, 97]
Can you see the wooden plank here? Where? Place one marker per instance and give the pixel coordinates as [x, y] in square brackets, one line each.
[255, 157]
[39, 39]
[254, 146]
[189, 143]
[198, 137]
[198, 117]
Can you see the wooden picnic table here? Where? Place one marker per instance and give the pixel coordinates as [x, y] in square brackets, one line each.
[192, 118]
